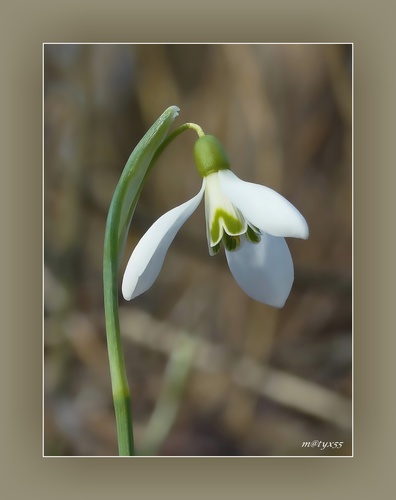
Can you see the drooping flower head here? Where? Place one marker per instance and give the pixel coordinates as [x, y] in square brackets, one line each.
[249, 220]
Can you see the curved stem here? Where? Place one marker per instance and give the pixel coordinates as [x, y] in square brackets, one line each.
[173, 135]
[119, 382]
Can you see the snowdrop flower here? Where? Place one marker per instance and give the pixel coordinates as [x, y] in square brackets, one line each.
[248, 219]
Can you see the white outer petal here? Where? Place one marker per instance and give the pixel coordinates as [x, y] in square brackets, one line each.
[148, 256]
[263, 207]
[263, 270]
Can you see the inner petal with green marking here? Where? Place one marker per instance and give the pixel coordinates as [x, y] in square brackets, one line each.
[221, 215]
[223, 221]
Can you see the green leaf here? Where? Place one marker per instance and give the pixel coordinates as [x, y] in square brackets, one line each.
[132, 179]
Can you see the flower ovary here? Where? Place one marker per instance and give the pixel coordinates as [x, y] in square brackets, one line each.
[210, 156]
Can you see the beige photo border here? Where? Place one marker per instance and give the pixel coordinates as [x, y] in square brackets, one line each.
[24, 473]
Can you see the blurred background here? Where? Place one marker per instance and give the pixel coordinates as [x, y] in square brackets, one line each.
[211, 371]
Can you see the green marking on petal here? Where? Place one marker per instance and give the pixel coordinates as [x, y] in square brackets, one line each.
[252, 235]
[215, 249]
[231, 242]
[232, 225]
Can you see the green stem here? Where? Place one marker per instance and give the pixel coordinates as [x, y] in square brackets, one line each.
[173, 135]
[119, 382]
[120, 388]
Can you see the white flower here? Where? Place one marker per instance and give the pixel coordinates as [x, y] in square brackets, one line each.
[250, 220]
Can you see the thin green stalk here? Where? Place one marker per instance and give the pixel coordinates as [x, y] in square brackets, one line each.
[174, 134]
[119, 218]
[120, 388]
